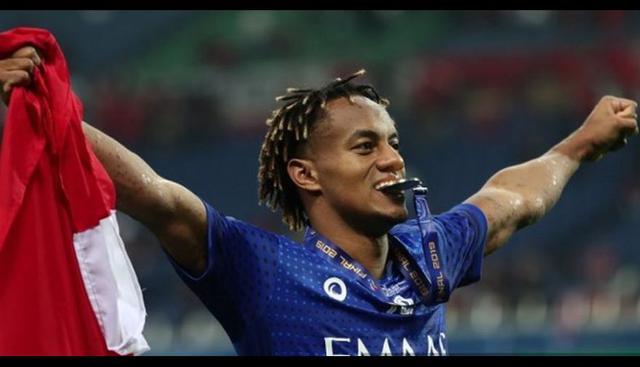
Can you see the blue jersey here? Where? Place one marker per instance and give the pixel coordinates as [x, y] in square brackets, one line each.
[274, 296]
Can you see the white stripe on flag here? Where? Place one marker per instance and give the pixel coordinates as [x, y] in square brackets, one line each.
[112, 286]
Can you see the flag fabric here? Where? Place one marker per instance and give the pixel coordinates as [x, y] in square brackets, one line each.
[67, 286]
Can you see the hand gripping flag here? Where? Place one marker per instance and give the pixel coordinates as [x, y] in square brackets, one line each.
[67, 286]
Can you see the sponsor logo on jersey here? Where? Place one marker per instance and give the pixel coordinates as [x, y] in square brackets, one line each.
[357, 347]
[335, 288]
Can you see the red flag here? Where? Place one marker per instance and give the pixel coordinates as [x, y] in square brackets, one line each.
[66, 283]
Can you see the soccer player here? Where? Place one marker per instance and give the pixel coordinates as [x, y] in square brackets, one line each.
[366, 280]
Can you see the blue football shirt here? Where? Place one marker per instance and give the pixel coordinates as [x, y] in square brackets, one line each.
[274, 296]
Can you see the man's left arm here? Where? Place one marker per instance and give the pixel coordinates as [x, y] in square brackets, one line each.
[519, 195]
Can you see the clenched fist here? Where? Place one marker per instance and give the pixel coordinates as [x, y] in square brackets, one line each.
[16, 70]
[607, 128]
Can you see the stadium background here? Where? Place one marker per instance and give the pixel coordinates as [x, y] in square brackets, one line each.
[471, 91]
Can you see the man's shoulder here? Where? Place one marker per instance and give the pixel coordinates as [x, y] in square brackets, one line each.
[407, 232]
[405, 227]
[234, 227]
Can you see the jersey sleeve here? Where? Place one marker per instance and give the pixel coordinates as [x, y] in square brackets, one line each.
[237, 281]
[463, 234]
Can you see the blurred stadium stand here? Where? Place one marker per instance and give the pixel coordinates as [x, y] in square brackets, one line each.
[471, 91]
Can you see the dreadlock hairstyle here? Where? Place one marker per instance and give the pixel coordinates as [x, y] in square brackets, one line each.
[289, 126]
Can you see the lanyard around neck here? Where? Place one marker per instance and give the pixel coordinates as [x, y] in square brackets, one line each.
[432, 289]
[338, 256]
[431, 248]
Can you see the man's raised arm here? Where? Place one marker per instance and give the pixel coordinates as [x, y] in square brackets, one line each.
[173, 213]
[520, 195]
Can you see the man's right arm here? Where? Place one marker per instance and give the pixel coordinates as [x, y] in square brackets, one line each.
[174, 214]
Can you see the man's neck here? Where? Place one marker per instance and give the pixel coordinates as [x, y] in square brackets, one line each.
[370, 251]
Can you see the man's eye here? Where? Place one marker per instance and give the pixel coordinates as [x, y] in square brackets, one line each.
[395, 145]
[365, 146]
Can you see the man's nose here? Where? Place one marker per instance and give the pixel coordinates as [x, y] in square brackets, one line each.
[390, 160]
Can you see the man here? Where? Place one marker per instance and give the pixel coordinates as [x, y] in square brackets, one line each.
[366, 280]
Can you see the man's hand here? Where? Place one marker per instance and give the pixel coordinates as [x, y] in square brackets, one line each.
[16, 70]
[606, 129]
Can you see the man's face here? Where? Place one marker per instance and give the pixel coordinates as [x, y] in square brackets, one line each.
[354, 149]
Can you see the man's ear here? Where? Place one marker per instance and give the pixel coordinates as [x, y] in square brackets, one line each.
[303, 174]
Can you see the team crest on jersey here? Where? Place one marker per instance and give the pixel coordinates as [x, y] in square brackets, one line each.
[404, 305]
[335, 288]
[373, 285]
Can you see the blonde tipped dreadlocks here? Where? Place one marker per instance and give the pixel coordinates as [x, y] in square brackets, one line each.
[289, 126]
